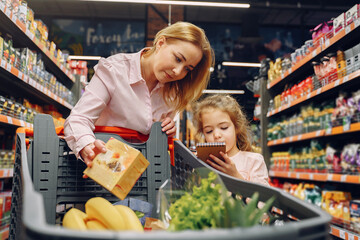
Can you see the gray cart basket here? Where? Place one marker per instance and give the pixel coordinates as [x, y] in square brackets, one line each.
[47, 174]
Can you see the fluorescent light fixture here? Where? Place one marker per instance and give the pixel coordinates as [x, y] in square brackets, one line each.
[185, 3]
[241, 64]
[85, 58]
[223, 91]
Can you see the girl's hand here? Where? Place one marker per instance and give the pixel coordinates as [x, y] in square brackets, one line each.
[89, 152]
[168, 126]
[226, 165]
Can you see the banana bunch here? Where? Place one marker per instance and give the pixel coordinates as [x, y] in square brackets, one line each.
[100, 214]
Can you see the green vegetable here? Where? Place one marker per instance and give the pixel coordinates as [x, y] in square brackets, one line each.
[209, 206]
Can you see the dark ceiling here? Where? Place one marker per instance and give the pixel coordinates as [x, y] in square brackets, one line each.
[278, 12]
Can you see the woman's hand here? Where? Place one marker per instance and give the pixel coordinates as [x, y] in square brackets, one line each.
[89, 152]
[168, 126]
[226, 165]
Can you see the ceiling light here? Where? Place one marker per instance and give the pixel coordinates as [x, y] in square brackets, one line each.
[85, 58]
[185, 3]
[223, 91]
[241, 64]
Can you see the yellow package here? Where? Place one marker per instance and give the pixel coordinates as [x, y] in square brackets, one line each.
[119, 168]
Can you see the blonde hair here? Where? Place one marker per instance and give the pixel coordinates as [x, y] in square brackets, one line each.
[180, 93]
[227, 104]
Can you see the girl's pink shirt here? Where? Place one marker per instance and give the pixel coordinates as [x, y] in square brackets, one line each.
[252, 167]
[117, 95]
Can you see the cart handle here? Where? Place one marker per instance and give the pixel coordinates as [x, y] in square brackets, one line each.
[123, 132]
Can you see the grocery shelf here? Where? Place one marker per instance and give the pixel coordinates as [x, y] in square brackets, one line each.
[6, 172]
[296, 138]
[14, 121]
[343, 233]
[329, 42]
[351, 77]
[322, 177]
[13, 26]
[26, 79]
[354, 127]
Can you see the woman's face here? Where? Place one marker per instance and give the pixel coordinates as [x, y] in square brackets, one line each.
[218, 127]
[174, 60]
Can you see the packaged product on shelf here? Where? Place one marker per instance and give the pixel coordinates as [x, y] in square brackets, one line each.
[12, 55]
[339, 23]
[337, 203]
[355, 215]
[341, 64]
[17, 61]
[1, 47]
[23, 8]
[31, 24]
[15, 7]
[23, 67]
[352, 14]
[6, 51]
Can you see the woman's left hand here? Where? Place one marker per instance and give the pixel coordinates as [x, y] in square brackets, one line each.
[224, 165]
[168, 126]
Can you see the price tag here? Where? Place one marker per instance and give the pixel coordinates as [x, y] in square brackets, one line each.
[328, 131]
[22, 123]
[3, 64]
[357, 22]
[342, 234]
[14, 18]
[314, 53]
[290, 70]
[20, 75]
[299, 137]
[275, 141]
[291, 139]
[8, 67]
[327, 43]
[331, 230]
[282, 75]
[268, 85]
[289, 174]
[308, 96]
[318, 91]
[347, 29]
[346, 126]
[337, 82]
[351, 236]
[9, 120]
[318, 133]
[311, 176]
[297, 175]
[2, 6]
[26, 78]
[346, 78]
[56, 97]
[329, 177]
[8, 12]
[6, 173]
[343, 178]
[280, 108]
[283, 140]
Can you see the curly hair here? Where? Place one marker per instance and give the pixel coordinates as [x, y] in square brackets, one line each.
[189, 89]
[227, 104]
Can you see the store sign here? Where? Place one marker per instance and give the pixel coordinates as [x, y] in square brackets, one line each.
[100, 38]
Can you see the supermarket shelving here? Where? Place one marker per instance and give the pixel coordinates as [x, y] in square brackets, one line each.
[13, 26]
[312, 176]
[6, 172]
[345, 38]
[31, 85]
[343, 233]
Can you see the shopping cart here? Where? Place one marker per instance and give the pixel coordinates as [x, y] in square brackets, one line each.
[47, 176]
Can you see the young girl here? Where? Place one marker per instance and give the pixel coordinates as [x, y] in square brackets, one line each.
[135, 90]
[219, 118]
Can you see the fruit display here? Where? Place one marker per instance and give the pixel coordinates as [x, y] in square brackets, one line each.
[100, 214]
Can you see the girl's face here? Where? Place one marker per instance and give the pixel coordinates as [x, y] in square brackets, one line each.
[175, 59]
[218, 127]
